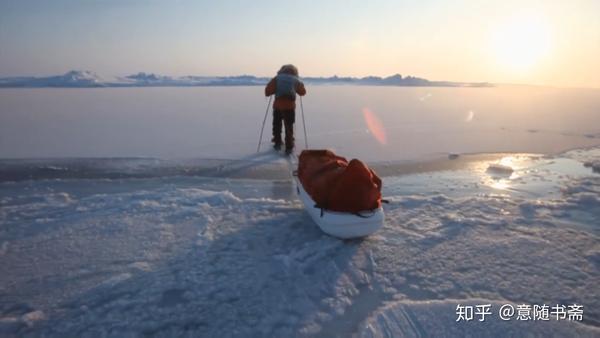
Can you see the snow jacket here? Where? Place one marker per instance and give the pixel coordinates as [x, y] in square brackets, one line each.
[285, 87]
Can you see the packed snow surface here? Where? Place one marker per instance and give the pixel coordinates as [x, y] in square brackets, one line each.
[216, 256]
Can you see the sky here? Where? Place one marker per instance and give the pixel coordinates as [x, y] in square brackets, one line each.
[552, 42]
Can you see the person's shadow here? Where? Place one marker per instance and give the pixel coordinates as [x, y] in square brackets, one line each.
[258, 267]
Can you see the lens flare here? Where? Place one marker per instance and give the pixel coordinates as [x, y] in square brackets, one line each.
[425, 97]
[470, 116]
[375, 126]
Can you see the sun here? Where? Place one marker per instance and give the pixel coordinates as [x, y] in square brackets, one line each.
[521, 42]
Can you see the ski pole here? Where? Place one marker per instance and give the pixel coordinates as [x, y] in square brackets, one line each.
[263, 124]
[303, 124]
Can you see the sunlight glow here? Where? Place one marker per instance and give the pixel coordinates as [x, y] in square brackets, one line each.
[502, 174]
[521, 42]
[500, 184]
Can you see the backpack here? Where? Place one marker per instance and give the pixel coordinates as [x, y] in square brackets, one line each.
[285, 86]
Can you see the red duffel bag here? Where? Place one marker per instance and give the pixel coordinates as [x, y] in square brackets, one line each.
[336, 185]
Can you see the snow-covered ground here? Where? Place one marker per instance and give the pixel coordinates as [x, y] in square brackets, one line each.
[222, 253]
[201, 237]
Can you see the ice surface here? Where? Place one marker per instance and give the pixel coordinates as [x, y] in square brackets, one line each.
[176, 255]
[225, 122]
[500, 169]
[154, 215]
[264, 165]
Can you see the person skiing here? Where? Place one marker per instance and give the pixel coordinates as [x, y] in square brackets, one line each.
[285, 86]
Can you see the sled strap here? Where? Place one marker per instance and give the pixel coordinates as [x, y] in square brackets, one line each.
[322, 209]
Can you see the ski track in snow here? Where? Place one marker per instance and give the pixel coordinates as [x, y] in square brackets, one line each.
[190, 257]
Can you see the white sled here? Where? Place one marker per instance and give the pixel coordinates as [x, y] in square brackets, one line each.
[341, 224]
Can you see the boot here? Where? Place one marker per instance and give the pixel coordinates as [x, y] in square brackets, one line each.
[276, 143]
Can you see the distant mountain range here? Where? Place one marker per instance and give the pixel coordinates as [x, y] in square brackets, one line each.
[87, 79]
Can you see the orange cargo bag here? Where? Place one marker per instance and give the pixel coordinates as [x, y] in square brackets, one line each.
[336, 185]
[358, 189]
[318, 171]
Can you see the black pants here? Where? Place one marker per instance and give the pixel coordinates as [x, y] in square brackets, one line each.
[287, 117]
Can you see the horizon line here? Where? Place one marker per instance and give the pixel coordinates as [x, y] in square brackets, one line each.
[39, 76]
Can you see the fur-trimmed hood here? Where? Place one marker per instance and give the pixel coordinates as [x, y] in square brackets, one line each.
[288, 69]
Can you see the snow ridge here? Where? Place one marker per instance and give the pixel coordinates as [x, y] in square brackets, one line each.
[76, 78]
